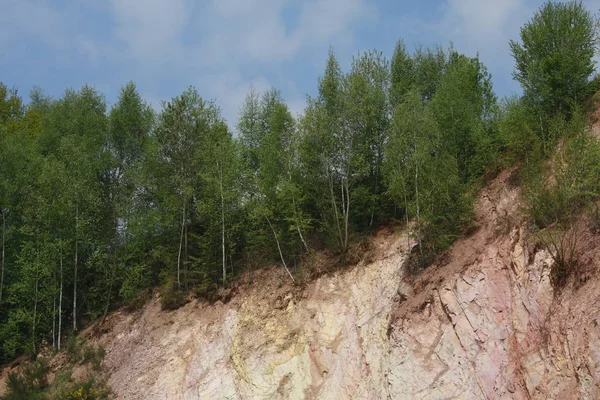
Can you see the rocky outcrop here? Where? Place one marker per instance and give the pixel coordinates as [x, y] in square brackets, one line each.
[485, 323]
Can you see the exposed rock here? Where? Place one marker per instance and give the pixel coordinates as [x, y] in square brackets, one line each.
[485, 324]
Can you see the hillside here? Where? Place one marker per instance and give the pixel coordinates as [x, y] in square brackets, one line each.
[407, 234]
[485, 323]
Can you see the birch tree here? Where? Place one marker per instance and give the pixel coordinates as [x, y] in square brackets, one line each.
[182, 127]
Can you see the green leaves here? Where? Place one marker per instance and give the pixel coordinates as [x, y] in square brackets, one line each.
[96, 208]
[463, 105]
[554, 60]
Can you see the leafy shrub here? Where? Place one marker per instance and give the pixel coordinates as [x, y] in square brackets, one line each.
[89, 390]
[29, 383]
[206, 288]
[562, 244]
[94, 355]
[79, 351]
[73, 348]
[518, 139]
[171, 297]
[558, 194]
[137, 278]
[593, 220]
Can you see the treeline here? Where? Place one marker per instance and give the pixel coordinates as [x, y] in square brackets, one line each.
[99, 204]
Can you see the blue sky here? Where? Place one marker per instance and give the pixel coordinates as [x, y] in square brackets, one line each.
[224, 46]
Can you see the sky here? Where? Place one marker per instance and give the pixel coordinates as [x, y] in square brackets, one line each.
[223, 47]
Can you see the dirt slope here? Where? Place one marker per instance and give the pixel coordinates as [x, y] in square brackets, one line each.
[485, 323]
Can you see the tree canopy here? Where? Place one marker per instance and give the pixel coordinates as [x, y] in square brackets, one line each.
[99, 204]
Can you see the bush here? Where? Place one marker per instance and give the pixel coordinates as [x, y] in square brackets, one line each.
[171, 297]
[558, 194]
[79, 351]
[94, 355]
[519, 141]
[73, 348]
[546, 204]
[593, 220]
[137, 278]
[29, 384]
[562, 244]
[90, 390]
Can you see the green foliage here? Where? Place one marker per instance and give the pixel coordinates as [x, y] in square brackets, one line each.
[89, 390]
[423, 177]
[518, 137]
[562, 244]
[29, 383]
[73, 348]
[555, 58]
[401, 74]
[79, 351]
[593, 220]
[137, 278]
[464, 106]
[98, 206]
[171, 297]
[559, 194]
[94, 355]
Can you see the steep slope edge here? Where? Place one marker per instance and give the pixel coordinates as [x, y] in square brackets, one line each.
[488, 323]
[485, 323]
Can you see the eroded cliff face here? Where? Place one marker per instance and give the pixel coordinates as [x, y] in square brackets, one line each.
[486, 323]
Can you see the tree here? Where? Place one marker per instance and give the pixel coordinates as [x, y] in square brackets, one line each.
[402, 74]
[366, 120]
[428, 67]
[11, 113]
[266, 128]
[220, 193]
[555, 59]
[422, 176]
[325, 154]
[130, 123]
[75, 134]
[180, 134]
[464, 106]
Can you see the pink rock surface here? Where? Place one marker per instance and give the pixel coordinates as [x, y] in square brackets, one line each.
[485, 323]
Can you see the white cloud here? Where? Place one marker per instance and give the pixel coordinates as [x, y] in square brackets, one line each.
[220, 46]
[255, 31]
[33, 19]
[229, 90]
[483, 26]
[215, 44]
[151, 29]
[486, 27]
[297, 106]
[89, 48]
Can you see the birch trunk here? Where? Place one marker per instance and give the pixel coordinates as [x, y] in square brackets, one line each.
[298, 227]
[335, 211]
[110, 277]
[417, 193]
[60, 295]
[2, 260]
[180, 246]
[296, 217]
[35, 314]
[222, 222]
[185, 256]
[279, 248]
[54, 315]
[346, 215]
[75, 268]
